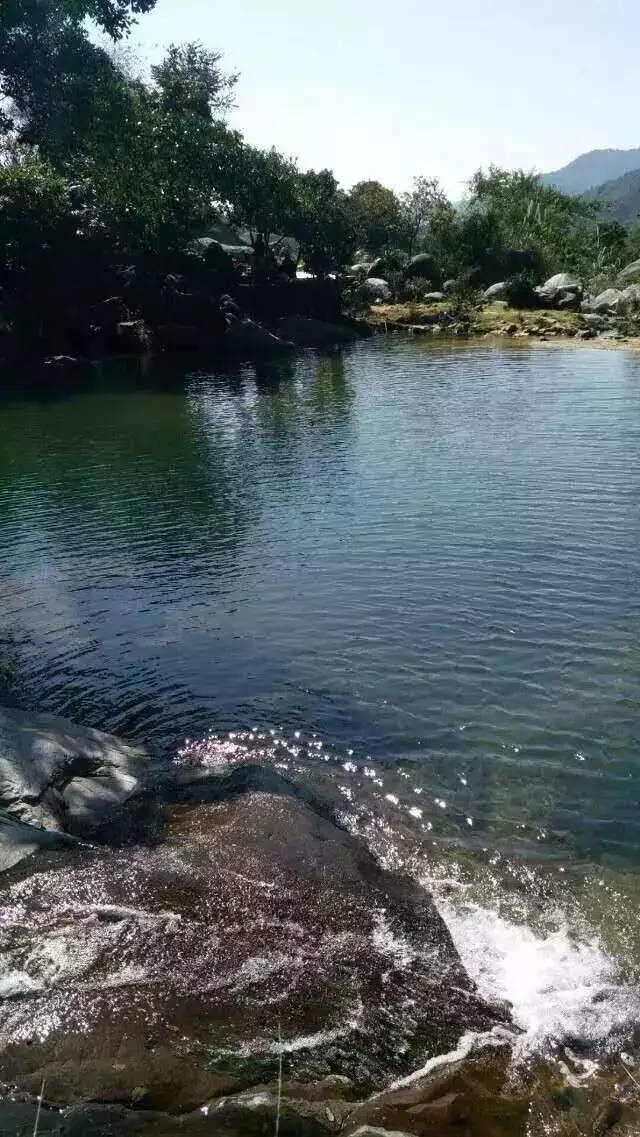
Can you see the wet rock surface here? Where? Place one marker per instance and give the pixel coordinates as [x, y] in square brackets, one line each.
[159, 975]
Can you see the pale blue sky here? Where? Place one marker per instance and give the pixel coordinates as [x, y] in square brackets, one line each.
[390, 90]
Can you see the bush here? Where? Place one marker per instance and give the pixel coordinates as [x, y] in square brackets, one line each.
[519, 291]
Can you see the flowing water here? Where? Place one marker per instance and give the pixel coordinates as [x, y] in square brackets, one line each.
[413, 569]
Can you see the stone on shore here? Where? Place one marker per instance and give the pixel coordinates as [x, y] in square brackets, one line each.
[60, 776]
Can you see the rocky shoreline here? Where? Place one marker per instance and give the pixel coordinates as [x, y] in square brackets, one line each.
[176, 930]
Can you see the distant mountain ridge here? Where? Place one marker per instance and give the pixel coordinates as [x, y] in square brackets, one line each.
[592, 170]
[620, 198]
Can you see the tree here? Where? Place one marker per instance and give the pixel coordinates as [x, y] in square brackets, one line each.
[532, 215]
[190, 79]
[261, 194]
[322, 223]
[416, 208]
[55, 82]
[375, 211]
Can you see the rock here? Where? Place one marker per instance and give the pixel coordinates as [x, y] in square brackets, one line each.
[630, 299]
[449, 286]
[364, 269]
[473, 1096]
[569, 302]
[423, 265]
[18, 840]
[501, 304]
[61, 363]
[630, 274]
[496, 291]
[176, 960]
[109, 313]
[133, 337]
[593, 320]
[607, 303]
[316, 333]
[375, 1131]
[586, 334]
[63, 776]
[433, 297]
[557, 287]
[246, 335]
[376, 288]
[511, 329]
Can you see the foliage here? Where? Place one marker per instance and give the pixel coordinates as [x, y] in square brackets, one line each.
[417, 206]
[375, 214]
[519, 291]
[322, 224]
[262, 193]
[528, 214]
[190, 79]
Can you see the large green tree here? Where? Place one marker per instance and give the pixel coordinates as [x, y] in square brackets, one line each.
[322, 223]
[375, 212]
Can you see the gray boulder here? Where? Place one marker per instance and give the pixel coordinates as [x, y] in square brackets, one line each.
[449, 286]
[607, 303]
[376, 288]
[18, 840]
[630, 274]
[60, 776]
[630, 299]
[558, 287]
[433, 297]
[423, 265]
[496, 291]
[570, 302]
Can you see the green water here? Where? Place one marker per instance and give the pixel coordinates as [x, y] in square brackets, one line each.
[429, 556]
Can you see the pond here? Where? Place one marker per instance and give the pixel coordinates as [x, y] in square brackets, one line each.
[422, 560]
[427, 555]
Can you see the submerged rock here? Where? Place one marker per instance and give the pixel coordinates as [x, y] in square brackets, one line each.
[160, 975]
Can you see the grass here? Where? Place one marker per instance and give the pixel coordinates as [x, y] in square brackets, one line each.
[279, 1105]
[489, 318]
[37, 1120]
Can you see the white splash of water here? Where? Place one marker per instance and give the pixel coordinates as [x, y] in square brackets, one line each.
[560, 987]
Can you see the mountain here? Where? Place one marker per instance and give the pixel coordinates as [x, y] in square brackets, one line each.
[620, 198]
[593, 169]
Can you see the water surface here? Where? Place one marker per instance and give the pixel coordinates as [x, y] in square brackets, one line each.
[429, 556]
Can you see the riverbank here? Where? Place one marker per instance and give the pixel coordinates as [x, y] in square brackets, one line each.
[445, 318]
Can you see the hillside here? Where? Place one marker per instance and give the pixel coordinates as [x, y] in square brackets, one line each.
[620, 198]
[593, 169]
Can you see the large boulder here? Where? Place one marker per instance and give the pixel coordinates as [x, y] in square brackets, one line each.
[375, 288]
[425, 266]
[162, 974]
[630, 300]
[496, 291]
[60, 776]
[607, 303]
[558, 288]
[630, 274]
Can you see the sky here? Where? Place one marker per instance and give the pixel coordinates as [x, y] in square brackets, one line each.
[394, 89]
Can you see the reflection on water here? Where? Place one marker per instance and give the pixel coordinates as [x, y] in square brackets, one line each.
[429, 555]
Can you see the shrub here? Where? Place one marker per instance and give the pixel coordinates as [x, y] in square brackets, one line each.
[520, 291]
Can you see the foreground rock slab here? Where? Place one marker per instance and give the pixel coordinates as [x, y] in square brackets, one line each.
[160, 975]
